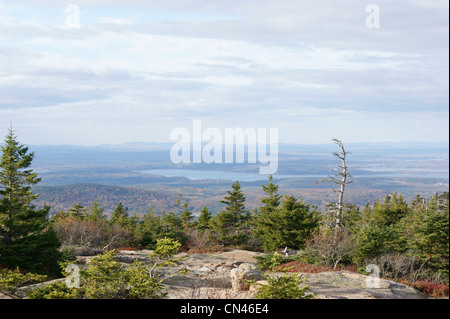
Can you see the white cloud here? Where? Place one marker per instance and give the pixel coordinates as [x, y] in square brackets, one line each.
[135, 70]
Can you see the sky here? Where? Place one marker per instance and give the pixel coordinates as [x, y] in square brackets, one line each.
[93, 72]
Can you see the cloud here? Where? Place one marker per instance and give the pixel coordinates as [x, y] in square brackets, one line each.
[138, 69]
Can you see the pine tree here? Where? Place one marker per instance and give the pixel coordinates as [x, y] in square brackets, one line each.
[172, 227]
[78, 211]
[186, 215]
[289, 224]
[229, 224]
[389, 212]
[235, 203]
[273, 199]
[120, 215]
[382, 228]
[96, 212]
[149, 228]
[204, 219]
[26, 240]
[427, 232]
[269, 203]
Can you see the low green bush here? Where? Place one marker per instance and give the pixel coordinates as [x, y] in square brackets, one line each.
[106, 278]
[280, 285]
[10, 280]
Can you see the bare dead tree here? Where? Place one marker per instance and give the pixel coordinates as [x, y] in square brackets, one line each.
[341, 178]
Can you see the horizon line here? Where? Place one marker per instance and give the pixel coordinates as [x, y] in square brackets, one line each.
[245, 144]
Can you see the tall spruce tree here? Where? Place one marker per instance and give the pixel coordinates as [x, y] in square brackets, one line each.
[204, 219]
[26, 239]
[120, 215]
[273, 199]
[96, 212]
[78, 211]
[235, 203]
[186, 215]
[229, 224]
[287, 225]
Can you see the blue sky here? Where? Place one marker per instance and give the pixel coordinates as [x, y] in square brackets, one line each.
[135, 70]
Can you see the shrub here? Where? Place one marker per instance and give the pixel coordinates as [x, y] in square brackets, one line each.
[83, 232]
[410, 271]
[91, 233]
[329, 247]
[272, 260]
[430, 288]
[280, 286]
[57, 290]
[284, 286]
[197, 240]
[10, 280]
[406, 267]
[118, 236]
[68, 253]
[105, 278]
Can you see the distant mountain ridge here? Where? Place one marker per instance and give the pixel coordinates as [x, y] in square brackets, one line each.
[137, 200]
[115, 173]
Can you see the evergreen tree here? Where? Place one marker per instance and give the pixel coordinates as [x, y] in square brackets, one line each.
[120, 215]
[273, 199]
[96, 212]
[418, 204]
[186, 215]
[26, 239]
[229, 225]
[427, 232]
[78, 211]
[235, 203]
[204, 219]
[172, 227]
[382, 228]
[350, 217]
[389, 212]
[282, 222]
[148, 229]
[288, 225]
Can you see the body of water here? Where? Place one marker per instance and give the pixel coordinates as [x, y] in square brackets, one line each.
[201, 174]
[248, 177]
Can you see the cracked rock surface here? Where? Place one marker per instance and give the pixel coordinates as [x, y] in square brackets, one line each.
[218, 275]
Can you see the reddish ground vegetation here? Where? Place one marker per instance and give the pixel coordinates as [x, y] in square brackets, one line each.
[429, 288]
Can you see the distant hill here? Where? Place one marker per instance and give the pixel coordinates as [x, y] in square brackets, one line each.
[117, 173]
[137, 200]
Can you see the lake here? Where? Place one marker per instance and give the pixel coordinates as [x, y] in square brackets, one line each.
[202, 174]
